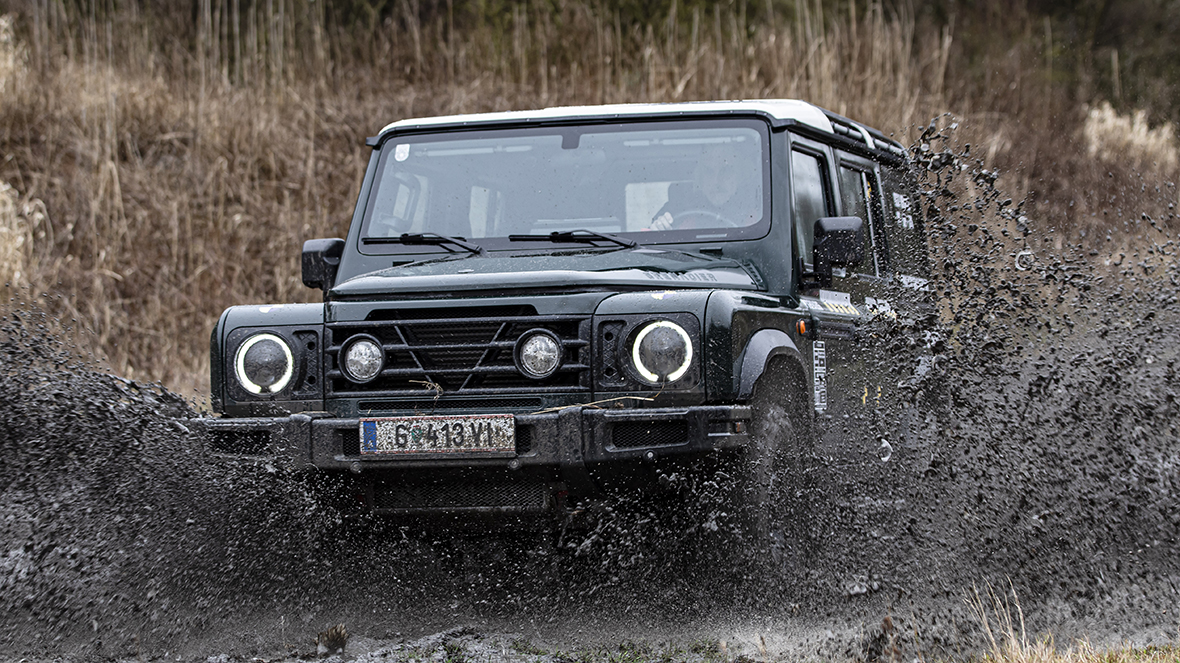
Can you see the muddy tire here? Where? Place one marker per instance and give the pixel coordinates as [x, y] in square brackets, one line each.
[769, 474]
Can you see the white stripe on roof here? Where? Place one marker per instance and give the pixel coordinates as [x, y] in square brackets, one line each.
[783, 109]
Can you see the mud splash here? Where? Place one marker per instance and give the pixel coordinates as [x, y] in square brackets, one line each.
[1042, 455]
[119, 532]
[1034, 448]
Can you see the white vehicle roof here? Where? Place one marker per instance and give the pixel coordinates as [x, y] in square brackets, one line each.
[792, 110]
[783, 109]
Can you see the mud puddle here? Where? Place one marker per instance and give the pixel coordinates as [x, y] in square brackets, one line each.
[1039, 457]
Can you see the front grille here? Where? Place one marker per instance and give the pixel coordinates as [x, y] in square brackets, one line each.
[483, 405]
[441, 353]
[636, 434]
[517, 496]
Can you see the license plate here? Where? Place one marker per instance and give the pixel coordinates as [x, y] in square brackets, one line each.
[449, 434]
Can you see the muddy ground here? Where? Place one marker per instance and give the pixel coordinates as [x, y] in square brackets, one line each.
[1040, 460]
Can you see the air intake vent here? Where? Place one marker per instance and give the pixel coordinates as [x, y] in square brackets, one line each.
[485, 312]
[637, 434]
[524, 439]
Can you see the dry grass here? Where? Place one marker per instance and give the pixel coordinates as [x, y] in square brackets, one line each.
[1127, 139]
[1002, 622]
[161, 172]
[15, 238]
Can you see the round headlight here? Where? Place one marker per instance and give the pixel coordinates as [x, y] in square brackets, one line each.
[662, 352]
[538, 353]
[264, 364]
[363, 359]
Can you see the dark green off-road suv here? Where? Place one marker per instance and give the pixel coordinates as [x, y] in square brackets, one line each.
[534, 310]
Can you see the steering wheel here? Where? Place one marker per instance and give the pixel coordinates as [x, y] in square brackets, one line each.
[695, 219]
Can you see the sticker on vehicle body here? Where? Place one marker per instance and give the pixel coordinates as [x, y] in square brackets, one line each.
[819, 373]
[695, 276]
[829, 307]
[835, 297]
[847, 309]
[837, 302]
[902, 211]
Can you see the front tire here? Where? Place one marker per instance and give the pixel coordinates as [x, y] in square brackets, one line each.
[770, 473]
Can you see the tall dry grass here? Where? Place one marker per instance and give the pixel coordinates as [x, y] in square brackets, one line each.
[1001, 622]
[166, 165]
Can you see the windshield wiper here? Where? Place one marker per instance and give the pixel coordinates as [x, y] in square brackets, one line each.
[427, 238]
[581, 236]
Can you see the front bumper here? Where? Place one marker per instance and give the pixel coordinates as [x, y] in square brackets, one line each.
[561, 457]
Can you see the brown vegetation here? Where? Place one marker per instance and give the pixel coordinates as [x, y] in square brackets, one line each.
[163, 166]
[1001, 620]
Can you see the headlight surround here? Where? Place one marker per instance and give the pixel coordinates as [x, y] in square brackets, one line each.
[362, 358]
[661, 352]
[538, 353]
[264, 364]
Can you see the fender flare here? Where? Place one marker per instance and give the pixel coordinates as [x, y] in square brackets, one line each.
[764, 345]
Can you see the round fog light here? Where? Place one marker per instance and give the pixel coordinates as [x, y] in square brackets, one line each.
[662, 352]
[363, 359]
[538, 353]
[264, 364]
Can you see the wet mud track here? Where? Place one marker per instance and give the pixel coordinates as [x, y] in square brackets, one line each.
[1040, 459]
[1047, 468]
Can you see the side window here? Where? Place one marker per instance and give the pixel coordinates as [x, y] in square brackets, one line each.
[810, 199]
[904, 230]
[856, 190]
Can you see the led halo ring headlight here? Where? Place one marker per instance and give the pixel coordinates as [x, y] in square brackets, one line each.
[538, 353]
[362, 358]
[661, 352]
[264, 364]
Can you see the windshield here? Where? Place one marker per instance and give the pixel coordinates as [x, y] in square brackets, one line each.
[652, 182]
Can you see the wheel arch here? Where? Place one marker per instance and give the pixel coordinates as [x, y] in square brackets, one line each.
[766, 345]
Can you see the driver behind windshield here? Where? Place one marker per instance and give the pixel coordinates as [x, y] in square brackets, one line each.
[717, 197]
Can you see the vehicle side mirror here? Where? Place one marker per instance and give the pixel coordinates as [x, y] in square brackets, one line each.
[321, 258]
[839, 242]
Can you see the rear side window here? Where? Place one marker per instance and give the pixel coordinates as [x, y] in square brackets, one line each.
[810, 198]
[856, 190]
[904, 229]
